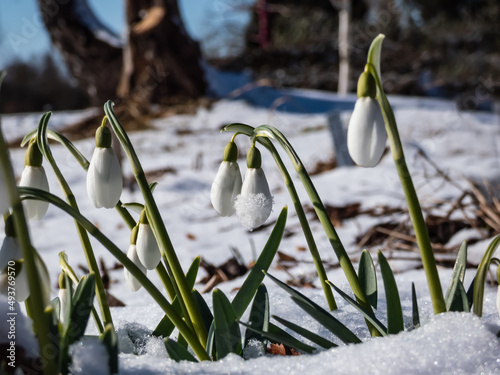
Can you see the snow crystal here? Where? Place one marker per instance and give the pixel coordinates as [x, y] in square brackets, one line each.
[253, 209]
[89, 356]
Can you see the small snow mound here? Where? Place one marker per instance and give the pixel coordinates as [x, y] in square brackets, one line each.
[89, 356]
[253, 209]
[254, 349]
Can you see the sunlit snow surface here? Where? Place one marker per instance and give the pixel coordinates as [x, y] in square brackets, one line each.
[462, 144]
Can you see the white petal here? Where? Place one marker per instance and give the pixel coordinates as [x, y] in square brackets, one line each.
[366, 135]
[9, 251]
[4, 197]
[63, 305]
[253, 209]
[147, 247]
[22, 287]
[131, 281]
[35, 177]
[255, 182]
[104, 178]
[225, 188]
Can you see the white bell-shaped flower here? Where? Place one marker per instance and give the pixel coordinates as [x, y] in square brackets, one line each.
[227, 182]
[104, 176]
[146, 245]
[34, 176]
[255, 203]
[133, 284]
[366, 135]
[64, 301]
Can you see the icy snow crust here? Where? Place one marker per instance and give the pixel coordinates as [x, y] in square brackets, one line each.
[462, 144]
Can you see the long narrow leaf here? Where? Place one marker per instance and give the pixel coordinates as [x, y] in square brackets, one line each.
[177, 352]
[453, 295]
[480, 278]
[256, 275]
[367, 314]
[318, 340]
[110, 341]
[414, 303]
[226, 328]
[319, 314]
[395, 322]
[205, 312]
[368, 278]
[259, 315]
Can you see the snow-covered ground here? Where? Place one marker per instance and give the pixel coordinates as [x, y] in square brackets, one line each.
[189, 148]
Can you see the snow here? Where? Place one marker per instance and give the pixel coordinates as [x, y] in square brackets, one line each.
[464, 145]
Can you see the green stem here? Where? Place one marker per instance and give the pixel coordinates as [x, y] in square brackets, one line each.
[189, 335]
[84, 238]
[157, 222]
[36, 302]
[416, 215]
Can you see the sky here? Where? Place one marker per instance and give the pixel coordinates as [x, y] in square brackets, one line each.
[24, 37]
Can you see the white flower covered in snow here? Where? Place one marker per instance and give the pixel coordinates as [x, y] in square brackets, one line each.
[366, 135]
[146, 245]
[104, 176]
[133, 284]
[255, 203]
[227, 182]
[34, 176]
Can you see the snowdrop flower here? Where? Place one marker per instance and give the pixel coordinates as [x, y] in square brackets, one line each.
[366, 135]
[146, 245]
[64, 302]
[227, 182]
[34, 176]
[133, 284]
[10, 252]
[104, 176]
[255, 203]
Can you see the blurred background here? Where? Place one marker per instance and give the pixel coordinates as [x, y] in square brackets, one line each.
[150, 54]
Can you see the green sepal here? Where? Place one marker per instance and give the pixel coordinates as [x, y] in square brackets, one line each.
[177, 352]
[395, 322]
[110, 341]
[226, 328]
[230, 152]
[259, 316]
[254, 159]
[366, 86]
[144, 217]
[103, 137]
[33, 157]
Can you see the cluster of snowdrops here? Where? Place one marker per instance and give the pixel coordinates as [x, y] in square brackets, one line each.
[201, 333]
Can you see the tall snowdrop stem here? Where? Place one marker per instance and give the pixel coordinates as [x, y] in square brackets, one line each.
[157, 222]
[43, 144]
[37, 301]
[416, 215]
[189, 335]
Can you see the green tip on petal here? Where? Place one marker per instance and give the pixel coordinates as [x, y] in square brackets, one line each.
[144, 218]
[230, 152]
[366, 86]
[135, 230]
[9, 227]
[103, 137]
[62, 281]
[254, 160]
[33, 157]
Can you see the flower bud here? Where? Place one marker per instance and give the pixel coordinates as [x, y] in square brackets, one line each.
[147, 246]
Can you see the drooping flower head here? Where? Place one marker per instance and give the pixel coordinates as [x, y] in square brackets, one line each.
[146, 245]
[133, 284]
[227, 182]
[64, 301]
[34, 176]
[104, 176]
[255, 203]
[366, 135]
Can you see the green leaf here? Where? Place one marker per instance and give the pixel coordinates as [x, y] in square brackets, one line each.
[319, 314]
[414, 303]
[52, 319]
[368, 278]
[318, 340]
[255, 277]
[205, 312]
[482, 271]
[152, 186]
[178, 352]
[193, 272]
[259, 316]
[211, 342]
[226, 328]
[278, 336]
[395, 322]
[367, 314]
[374, 53]
[110, 341]
[83, 299]
[453, 295]
[166, 327]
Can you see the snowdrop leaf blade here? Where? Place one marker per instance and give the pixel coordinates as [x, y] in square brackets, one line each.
[480, 279]
[110, 341]
[226, 328]
[414, 304]
[166, 327]
[395, 322]
[193, 272]
[177, 352]
[367, 314]
[259, 316]
[456, 278]
[368, 278]
[245, 295]
[152, 186]
[311, 336]
[83, 300]
[205, 312]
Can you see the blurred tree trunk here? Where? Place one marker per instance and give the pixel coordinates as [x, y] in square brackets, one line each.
[344, 9]
[158, 60]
